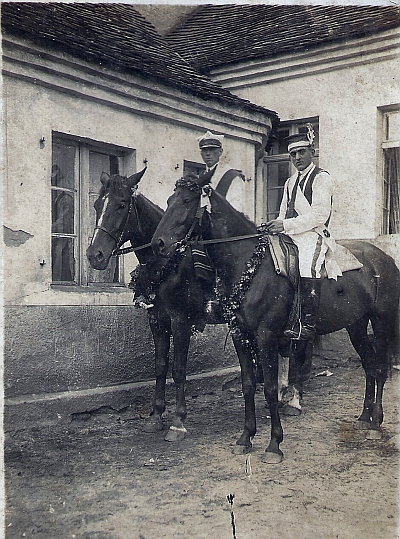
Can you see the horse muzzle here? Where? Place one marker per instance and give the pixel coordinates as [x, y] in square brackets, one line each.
[160, 248]
[97, 259]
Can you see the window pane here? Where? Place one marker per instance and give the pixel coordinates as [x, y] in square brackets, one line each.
[62, 211]
[63, 166]
[64, 183]
[63, 263]
[192, 166]
[109, 275]
[98, 163]
[276, 175]
[391, 224]
[393, 125]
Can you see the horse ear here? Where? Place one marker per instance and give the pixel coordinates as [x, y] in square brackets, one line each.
[104, 178]
[133, 180]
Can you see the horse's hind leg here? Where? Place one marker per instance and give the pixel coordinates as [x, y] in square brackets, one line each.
[161, 336]
[361, 342]
[382, 333]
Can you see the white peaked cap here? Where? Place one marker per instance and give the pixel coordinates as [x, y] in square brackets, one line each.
[210, 140]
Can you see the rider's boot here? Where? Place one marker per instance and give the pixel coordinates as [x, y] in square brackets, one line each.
[310, 296]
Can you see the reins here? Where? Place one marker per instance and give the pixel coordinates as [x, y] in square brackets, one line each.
[186, 241]
[126, 250]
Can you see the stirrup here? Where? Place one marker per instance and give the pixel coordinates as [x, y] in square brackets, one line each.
[305, 333]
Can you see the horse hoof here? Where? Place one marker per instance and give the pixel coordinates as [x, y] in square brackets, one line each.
[272, 458]
[175, 434]
[153, 424]
[241, 449]
[373, 435]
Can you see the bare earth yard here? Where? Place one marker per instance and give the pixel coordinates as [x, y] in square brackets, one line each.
[100, 477]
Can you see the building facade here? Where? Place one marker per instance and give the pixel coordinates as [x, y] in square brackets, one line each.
[68, 117]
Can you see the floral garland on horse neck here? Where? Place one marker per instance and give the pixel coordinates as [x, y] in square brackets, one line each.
[145, 282]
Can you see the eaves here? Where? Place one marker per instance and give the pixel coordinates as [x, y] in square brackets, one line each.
[133, 94]
[382, 47]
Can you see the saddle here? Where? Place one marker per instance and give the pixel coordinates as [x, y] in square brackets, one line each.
[284, 254]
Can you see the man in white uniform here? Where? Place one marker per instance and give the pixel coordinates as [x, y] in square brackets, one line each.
[226, 180]
[304, 216]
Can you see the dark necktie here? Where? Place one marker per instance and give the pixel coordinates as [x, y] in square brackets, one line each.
[291, 212]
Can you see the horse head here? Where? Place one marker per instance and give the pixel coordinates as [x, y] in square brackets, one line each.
[179, 220]
[114, 211]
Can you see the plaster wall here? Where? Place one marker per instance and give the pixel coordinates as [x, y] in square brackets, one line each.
[53, 349]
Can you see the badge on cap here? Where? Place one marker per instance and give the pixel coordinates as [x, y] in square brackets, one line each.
[301, 140]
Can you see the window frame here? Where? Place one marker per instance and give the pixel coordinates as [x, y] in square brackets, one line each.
[83, 231]
[387, 143]
[293, 126]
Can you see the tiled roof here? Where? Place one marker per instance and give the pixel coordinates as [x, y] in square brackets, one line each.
[114, 36]
[216, 35]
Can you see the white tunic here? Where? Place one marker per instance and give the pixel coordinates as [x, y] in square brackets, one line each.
[236, 192]
[308, 230]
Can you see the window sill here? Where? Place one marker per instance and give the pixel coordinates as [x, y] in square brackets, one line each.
[117, 288]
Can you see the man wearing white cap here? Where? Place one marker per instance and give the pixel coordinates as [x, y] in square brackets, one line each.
[226, 180]
[304, 216]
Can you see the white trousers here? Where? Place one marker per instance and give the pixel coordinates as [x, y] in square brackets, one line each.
[312, 251]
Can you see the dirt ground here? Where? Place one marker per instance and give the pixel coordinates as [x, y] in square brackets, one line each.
[101, 477]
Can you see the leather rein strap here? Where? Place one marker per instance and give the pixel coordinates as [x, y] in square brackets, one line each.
[127, 250]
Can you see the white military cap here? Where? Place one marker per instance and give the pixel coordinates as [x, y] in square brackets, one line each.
[209, 140]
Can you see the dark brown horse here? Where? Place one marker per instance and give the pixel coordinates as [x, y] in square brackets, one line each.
[260, 300]
[123, 215]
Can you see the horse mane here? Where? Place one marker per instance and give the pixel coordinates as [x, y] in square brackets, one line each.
[242, 222]
[195, 183]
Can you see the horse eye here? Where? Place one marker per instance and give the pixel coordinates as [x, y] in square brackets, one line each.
[122, 205]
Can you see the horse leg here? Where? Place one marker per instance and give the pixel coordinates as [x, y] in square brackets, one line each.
[382, 332]
[360, 340]
[243, 444]
[181, 330]
[283, 377]
[297, 364]
[161, 336]
[268, 346]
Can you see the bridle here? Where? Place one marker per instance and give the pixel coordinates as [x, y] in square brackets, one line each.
[201, 210]
[119, 240]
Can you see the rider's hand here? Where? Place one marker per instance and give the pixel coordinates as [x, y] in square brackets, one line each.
[274, 227]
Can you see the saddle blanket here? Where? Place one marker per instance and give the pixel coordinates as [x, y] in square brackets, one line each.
[201, 263]
[286, 263]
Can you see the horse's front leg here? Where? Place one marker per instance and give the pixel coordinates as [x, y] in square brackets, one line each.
[160, 328]
[268, 346]
[243, 444]
[181, 331]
